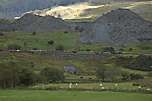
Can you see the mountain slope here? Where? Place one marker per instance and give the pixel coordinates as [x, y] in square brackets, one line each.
[120, 26]
[34, 23]
[12, 8]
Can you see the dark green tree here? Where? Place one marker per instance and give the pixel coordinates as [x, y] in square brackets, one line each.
[100, 73]
[9, 75]
[52, 74]
[50, 42]
[26, 77]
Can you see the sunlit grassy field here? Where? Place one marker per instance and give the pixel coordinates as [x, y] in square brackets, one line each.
[25, 95]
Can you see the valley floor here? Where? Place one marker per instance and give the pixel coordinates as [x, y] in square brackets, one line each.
[37, 95]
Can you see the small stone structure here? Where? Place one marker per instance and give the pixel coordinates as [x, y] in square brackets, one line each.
[71, 69]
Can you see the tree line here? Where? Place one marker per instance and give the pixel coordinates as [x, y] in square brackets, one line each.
[13, 75]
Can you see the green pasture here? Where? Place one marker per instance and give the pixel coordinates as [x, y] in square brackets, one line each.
[36, 95]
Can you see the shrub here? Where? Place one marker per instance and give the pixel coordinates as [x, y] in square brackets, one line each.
[34, 33]
[81, 77]
[34, 48]
[52, 74]
[66, 32]
[14, 47]
[134, 76]
[51, 42]
[108, 73]
[88, 50]
[109, 49]
[1, 34]
[74, 51]
[136, 84]
[130, 49]
[60, 47]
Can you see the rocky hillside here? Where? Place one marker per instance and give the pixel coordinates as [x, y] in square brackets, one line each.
[35, 23]
[120, 26]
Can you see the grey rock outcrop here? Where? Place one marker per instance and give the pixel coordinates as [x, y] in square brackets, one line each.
[120, 26]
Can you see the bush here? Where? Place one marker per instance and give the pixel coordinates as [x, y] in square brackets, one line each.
[34, 33]
[74, 51]
[131, 49]
[109, 49]
[136, 84]
[134, 76]
[66, 32]
[108, 73]
[14, 47]
[34, 48]
[88, 50]
[60, 48]
[1, 34]
[52, 74]
[51, 42]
